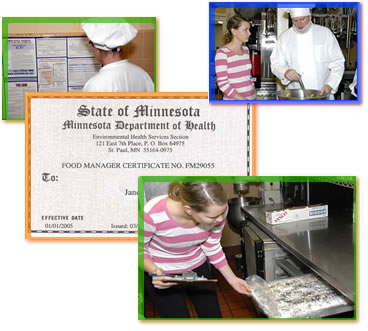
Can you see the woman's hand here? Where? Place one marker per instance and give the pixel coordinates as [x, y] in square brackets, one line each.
[157, 281]
[240, 285]
[239, 97]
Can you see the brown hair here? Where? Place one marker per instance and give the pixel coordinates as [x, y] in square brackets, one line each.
[234, 22]
[198, 195]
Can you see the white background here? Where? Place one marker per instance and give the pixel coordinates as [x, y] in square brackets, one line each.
[93, 286]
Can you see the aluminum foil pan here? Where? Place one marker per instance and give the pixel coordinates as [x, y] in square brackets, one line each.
[306, 296]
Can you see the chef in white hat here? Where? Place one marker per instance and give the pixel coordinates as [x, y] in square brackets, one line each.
[310, 52]
[116, 74]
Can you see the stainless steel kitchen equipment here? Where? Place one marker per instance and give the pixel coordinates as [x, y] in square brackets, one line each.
[300, 94]
[295, 194]
[327, 251]
[343, 24]
[235, 216]
[270, 192]
[323, 246]
[241, 188]
[262, 42]
[302, 86]
[265, 258]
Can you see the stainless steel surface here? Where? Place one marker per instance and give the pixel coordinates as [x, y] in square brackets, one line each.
[267, 43]
[325, 245]
[291, 267]
[301, 84]
[303, 87]
[299, 94]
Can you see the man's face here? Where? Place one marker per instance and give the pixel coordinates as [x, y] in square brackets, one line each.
[301, 22]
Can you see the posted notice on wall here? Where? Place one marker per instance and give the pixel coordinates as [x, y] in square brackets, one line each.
[84, 155]
[47, 64]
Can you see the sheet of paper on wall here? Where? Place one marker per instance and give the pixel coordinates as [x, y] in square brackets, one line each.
[84, 155]
[47, 64]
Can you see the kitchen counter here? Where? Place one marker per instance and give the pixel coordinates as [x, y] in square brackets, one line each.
[326, 244]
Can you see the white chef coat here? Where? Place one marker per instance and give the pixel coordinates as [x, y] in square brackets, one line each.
[315, 55]
[120, 76]
[353, 85]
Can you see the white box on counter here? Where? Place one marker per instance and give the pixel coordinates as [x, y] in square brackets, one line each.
[296, 214]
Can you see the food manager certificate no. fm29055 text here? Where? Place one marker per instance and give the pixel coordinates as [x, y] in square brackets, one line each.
[84, 156]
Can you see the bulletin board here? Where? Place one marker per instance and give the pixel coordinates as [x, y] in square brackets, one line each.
[46, 63]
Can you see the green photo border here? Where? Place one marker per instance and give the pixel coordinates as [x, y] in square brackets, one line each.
[225, 179]
[8, 20]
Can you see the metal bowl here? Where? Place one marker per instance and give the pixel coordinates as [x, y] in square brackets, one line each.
[299, 94]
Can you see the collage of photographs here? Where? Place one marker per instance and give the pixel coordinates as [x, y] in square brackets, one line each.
[184, 164]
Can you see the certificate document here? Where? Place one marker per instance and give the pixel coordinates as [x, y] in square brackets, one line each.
[84, 153]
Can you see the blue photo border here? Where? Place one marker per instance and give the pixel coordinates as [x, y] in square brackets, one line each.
[212, 76]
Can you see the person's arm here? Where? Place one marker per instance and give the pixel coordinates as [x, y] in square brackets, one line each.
[336, 63]
[238, 284]
[213, 250]
[149, 265]
[223, 78]
[212, 247]
[157, 282]
[353, 85]
[239, 97]
[280, 67]
[151, 268]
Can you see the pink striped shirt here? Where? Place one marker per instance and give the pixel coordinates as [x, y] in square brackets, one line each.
[176, 248]
[233, 72]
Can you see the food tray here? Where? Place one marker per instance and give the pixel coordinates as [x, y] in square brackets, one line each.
[306, 296]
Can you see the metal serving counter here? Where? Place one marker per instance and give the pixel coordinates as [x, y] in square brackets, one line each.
[326, 244]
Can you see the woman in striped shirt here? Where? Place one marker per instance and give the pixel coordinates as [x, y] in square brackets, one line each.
[182, 230]
[233, 65]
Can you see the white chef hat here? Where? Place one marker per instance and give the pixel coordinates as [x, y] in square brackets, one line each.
[298, 12]
[107, 36]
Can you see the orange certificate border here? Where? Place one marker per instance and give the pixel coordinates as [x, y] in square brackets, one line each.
[98, 95]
